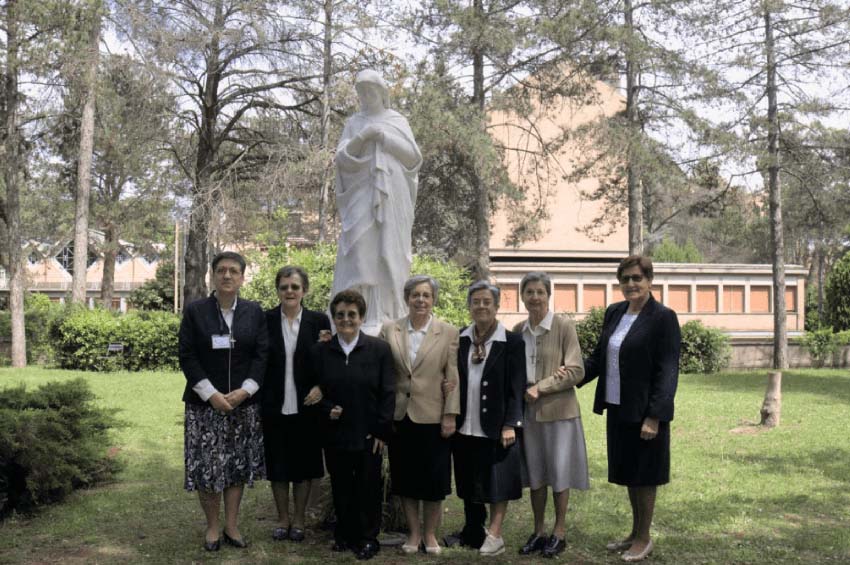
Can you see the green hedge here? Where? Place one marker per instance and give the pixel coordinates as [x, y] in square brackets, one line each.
[52, 440]
[39, 314]
[80, 338]
[823, 343]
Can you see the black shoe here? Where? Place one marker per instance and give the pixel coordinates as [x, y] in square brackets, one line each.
[339, 546]
[280, 534]
[453, 540]
[534, 544]
[368, 551]
[240, 543]
[212, 545]
[554, 546]
[296, 534]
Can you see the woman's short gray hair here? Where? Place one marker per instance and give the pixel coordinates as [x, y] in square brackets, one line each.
[483, 285]
[536, 276]
[416, 280]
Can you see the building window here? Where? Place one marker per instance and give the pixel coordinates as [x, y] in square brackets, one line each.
[760, 299]
[707, 299]
[66, 258]
[679, 297]
[122, 256]
[594, 296]
[509, 298]
[790, 298]
[33, 258]
[566, 296]
[733, 299]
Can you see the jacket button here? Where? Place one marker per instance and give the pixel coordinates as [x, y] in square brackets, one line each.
[483, 397]
[519, 423]
[483, 409]
[484, 383]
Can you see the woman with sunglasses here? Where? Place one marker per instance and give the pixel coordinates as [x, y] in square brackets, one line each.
[637, 362]
[290, 418]
[356, 375]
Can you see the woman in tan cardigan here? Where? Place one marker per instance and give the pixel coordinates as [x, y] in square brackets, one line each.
[553, 442]
[425, 356]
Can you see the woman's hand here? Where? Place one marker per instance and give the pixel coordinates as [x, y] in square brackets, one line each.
[324, 336]
[237, 397]
[448, 386]
[220, 404]
[508, 437]
[561, 373]
[313, 397]
[377, 446]
[649, 428]
[532, 393]
[447, 425]
[336, 412]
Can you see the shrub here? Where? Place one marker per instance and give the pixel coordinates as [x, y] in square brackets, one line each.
[589, 329]
[81, 338]
[39, 313]
[52, 440]
[158, 293]
[319, 263]
[837, 294]
[823, 343]
[704, 350]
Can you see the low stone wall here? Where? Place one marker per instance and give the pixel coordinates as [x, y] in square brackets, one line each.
[758, 354]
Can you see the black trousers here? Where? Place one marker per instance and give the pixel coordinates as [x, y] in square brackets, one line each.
[356, 487]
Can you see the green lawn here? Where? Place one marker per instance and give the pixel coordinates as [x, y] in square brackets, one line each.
[738, 494]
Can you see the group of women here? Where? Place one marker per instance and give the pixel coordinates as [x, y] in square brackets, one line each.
[268, 395]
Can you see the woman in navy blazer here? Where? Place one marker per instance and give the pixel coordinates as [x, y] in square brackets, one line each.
[289, 395]
[491, 367]
[637, 362]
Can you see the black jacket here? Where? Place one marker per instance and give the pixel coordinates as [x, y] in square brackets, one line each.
[649, 362]
[198, 360]
[273, 392]
[502, 384]
[363, 384]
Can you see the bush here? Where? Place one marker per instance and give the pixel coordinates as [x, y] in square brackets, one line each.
[319, 263]
[589, 329]
[52, 441]
[837, 294]
[704, 350]
[39, 313]
[158, 293]
[81, 338]
[823, 343]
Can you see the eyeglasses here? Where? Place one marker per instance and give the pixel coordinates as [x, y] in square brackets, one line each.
[285, 287]
[634, 278]
[351, 315]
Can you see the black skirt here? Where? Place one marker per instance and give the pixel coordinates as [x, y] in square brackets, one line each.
[636, 462]
[486, 472]
[293, 447]
[420, 461]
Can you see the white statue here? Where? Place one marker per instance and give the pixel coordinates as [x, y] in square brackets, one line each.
[377, 163]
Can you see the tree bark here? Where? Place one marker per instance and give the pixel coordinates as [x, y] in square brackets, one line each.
[11, 177]
[327, 71]
[633, 182]
[481, 265]
[110, 251]
[203, 194]
[84, 163]
[771, 409]
[780, 341]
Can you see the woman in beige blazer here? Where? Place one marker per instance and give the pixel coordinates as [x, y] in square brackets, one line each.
[425, 356]
[553, 442]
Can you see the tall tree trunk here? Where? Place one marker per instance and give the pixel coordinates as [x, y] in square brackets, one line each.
[84, 162]
[11, 177]
[327, 71]
[780, 342]
[633, 182]
[481, 215]
[203, 193]
[110, 250]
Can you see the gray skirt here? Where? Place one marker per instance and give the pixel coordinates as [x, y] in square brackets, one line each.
[222, 450]
[554, 454]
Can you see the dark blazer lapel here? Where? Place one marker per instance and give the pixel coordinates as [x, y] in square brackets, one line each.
[616, 316]
[432, 336]
[644, 318]
[305, 330]
[497, 349]
[277, 332]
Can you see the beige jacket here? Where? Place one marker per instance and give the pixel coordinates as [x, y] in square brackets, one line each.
[559, 346]
[418, 391]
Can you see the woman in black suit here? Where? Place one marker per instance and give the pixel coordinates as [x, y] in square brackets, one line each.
[637, 362]
[491, 366]
[290, 419]
[355, 372]
[223, 343]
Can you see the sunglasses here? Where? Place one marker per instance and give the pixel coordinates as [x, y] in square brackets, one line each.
[285, 287]
[351, 315]
[634, 278]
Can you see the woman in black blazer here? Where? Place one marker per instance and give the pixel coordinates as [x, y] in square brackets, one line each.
[491, 366]
[637, 362]
[356, 374]
[290, 418]
[222, 347]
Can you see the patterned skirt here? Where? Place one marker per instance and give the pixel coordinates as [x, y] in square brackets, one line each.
[222, 450]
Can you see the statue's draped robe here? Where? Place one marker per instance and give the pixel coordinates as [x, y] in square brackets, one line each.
[375, 196]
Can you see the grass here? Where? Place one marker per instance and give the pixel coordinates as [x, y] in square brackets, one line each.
[738, 494]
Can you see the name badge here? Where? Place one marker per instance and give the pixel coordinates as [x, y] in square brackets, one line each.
[221, 341]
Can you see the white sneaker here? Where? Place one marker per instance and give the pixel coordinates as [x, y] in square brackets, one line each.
[492, 546]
